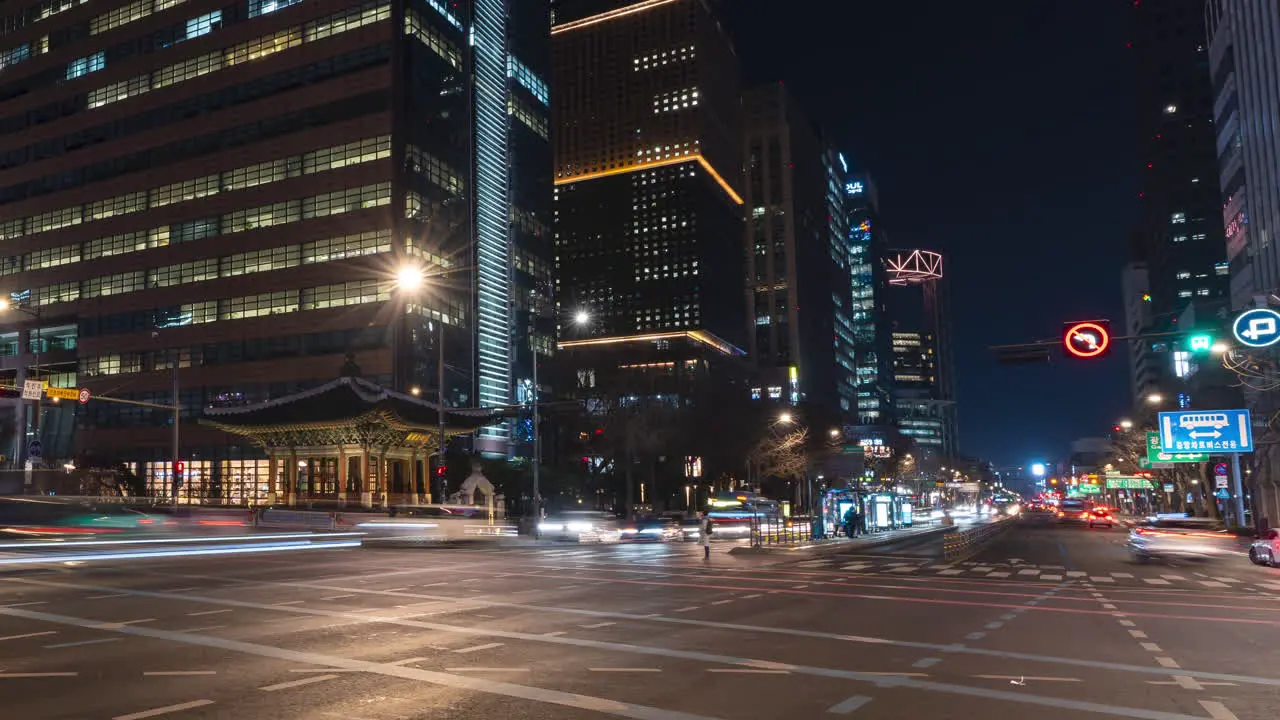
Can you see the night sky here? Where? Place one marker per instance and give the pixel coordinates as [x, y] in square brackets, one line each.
[1000, 134]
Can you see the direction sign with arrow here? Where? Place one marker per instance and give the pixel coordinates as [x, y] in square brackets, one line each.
[1156, 455]
[1258, 328]
[1213, 431]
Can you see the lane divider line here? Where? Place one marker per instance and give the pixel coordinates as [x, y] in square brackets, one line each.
[164, 710]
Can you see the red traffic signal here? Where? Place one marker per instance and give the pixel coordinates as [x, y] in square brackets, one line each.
[179, 467]
[1087, 339]
[440, 471]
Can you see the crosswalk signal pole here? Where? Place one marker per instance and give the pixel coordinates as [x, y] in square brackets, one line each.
[1239, 487]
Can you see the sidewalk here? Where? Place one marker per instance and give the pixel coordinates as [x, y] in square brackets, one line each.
[841, 544]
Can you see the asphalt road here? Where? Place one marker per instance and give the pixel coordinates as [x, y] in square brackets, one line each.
[1049, 623]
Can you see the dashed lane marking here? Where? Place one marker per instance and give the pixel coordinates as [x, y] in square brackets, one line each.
[721, 602]
[37, 675]
[178, 673]
[1027, 678]
[998, 574]
[1151, 647]
[1155, 581]
[209, 612]
[82, 642]
[1102, 579]
[486, 669]
[1121, 575]
[164, 710]
[749, 671]
[1217, 710]
[849, 705]
[926, 662]
[1050, 577]
[297, 683]
[1168, 662]
[478, 648]
[28, 635]
[596, 626]
[1137, 634]
[625, 669]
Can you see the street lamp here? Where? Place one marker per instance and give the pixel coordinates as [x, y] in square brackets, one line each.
[411, 278]
[834, 432]
[785, 418]
[1155, 399]
[1126, 424]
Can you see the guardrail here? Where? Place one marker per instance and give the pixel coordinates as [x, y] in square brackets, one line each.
[963, 543]
[787, 531]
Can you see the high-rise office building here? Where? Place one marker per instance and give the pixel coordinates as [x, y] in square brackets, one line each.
[229, 191]
[1180, 237]
[873, 353]
[1245, 64]
[923, 376]
[648, 170]
[798, 289]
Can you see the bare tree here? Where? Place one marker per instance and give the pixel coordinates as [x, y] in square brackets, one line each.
[784, 456]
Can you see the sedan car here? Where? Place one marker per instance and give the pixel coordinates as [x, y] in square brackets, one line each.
[581, 526]
[1266, 549]
[1099, 517]
[1183, 538]
[1072, 510]
[651, 529]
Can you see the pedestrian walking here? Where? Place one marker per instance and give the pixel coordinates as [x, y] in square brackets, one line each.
[704, 534]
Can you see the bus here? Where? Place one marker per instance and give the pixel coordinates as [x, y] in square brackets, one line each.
[732, 513]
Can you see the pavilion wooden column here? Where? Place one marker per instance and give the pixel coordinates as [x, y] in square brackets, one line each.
[273, 483]
[382, 478]
[291, 473]
[342, 476]
[366, 488]
[413, 477]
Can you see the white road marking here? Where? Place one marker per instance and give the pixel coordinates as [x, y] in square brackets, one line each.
[1226, 579]
[1102, 579]
[25, 604]
[926, 662]
[1050, 577]
[27, 635]
[297, 683]
[752, 596]
[1121, 575]
[1028, 572]
[1217, 710]
[209, 612]
[1150, 647]
[724, 602]
[951, 571]
[1168, 662]
[486, 669]
[1126, 623]
[625, 669]
[1137, 634]
[108, 595]
[1155, 581]
[179, 673]
[905, 570]
[164, 710]
[556, 633]
[1188, 682]
[38, 675]
[337, 597]
[1213, 584]
[749, 671]
[82, 642]
[799, 587]
[994, 625]
[478, 648]
[1028, 678]
[290, 602]
[1171, 577]
[202, 629]
[685, 609]
[975, 636]
[990, 574]
[1108, 606]
[848, 705]
[184, 589]
[1076, 573]
[598, 625]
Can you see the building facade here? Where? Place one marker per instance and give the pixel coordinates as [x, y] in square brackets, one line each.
[648, 169]
[798, 291]
[1180, 237]
[1245, 67]
[923, 376]
[870, 324]
[226, 193]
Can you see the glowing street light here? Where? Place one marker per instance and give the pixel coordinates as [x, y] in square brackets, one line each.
[835, 432]
[410, 277]
[1218, 348]
[1155, 399]
[784, 418]
[582, 317]
[1037, 469]
[1126, 424]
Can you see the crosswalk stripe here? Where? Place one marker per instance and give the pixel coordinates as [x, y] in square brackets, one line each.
[1156, 581]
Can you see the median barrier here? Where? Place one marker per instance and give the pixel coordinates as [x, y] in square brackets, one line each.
[961, 544]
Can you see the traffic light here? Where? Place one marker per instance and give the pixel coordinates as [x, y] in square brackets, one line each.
[1087, 339]
[179, 467]
[1200, 343]
[440, 471]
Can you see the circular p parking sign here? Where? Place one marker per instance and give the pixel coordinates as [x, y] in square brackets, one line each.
[1257, 328]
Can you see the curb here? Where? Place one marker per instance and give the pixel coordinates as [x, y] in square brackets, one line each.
[831, 548]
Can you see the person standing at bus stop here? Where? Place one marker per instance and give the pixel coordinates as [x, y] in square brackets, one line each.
[704, 534]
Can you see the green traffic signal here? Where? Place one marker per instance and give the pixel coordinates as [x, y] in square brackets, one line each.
[1200, 343]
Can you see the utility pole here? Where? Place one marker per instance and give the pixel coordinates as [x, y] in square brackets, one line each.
[537, 440]
[440, 409]
[177, 416]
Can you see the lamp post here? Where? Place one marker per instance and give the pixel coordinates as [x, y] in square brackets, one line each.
[411, 278]
[20, 451]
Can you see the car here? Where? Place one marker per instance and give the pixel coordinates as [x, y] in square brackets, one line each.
[1074, 511]
[651, 529]
[1181, 538]
[1100, 516]
[1266, 549]
[581, 526]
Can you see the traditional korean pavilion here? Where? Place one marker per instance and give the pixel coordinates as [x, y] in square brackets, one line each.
[349, 441]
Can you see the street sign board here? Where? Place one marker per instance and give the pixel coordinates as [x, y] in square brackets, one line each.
[1087, 339]
[63, 393]
[34, 450]
[1213, 431]
[1168, 487]
[1156, 455]
[1220, 481]
[1127, 482]
[1222, 494]
[1259, 327]
[1087, 490]
[31, 389]
[83, 396]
